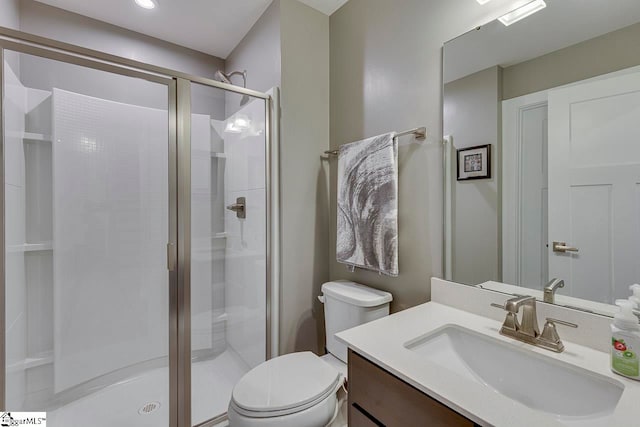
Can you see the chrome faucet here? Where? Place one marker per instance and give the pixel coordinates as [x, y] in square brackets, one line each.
[550, 290]
[529, 324]
[527, 330]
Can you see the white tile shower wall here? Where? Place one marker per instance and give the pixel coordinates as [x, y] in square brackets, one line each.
[39, 190]
[39, 230]
[110, 231]
[39, 284]
[246, 152]
[15, 289]
[218, 239]
[38, 118]
[245, 260]
[218, 167]
[201, 231]
[245, 285]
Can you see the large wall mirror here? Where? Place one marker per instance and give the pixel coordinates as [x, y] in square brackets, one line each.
[557, 98]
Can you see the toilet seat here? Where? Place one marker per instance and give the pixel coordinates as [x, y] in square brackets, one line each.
[285, 385]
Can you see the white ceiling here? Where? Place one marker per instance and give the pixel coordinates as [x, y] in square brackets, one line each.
[563, 23]
[210, 26]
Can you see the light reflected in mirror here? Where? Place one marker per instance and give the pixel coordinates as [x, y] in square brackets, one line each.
[557, 96]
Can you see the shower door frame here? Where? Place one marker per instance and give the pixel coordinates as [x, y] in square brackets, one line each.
[179, 187]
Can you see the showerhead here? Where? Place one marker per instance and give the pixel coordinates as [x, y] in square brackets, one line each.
[222, 77]
[244, 100]
[226, 78]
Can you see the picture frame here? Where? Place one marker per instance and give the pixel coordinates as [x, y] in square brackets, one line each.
[474, 162]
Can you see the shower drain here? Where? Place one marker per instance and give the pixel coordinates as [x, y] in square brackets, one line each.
[149, 408]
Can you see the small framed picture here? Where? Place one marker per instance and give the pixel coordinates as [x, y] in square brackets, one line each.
[474, 162]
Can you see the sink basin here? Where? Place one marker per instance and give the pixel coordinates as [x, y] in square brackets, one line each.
[537, 381]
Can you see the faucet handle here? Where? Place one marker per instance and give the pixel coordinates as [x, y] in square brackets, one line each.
[561, 322]
[513, 304]
[511, 321]
[550, 334]
[515, 296]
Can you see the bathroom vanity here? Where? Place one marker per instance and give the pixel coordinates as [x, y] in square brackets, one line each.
[400, 404]
[445, 363]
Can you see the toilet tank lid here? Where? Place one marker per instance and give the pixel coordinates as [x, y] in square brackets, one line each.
[356, 293]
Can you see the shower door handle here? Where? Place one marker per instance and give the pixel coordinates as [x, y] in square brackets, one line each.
[239, 207]
[562, 247]
[171, 256]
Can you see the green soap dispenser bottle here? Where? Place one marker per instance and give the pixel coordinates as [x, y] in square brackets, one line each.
[625, 341]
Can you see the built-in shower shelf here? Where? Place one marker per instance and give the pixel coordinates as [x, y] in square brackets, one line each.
[220, 235]
[207, 153]
[30, 136]
[31, 362]
[220, 318]
[36, 136]
[30, 247]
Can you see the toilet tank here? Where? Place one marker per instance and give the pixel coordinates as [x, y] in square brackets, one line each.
[349, 304]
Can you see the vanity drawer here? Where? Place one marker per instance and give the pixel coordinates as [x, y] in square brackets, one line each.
[377, 398]
[358, 418]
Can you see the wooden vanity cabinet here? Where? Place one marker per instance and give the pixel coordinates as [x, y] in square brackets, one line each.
[377, 398]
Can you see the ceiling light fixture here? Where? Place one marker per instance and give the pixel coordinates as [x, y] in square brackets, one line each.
[522, 12]
[147, 4]
[483, 1]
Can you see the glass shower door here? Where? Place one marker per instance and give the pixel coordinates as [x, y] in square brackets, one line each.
[228, 244]
[87, 220]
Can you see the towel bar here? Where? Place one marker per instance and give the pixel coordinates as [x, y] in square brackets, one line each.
[419, 134]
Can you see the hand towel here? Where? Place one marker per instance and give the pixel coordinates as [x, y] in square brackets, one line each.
[367, 229]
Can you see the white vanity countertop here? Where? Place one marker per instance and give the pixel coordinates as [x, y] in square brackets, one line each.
[382, 342]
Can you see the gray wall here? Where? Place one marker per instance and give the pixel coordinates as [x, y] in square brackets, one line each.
[10, 18]
[605, 54]
[386, 74]
[305, 201]
[472, 116]
[259, 54]
[58, 24]
[9, 14]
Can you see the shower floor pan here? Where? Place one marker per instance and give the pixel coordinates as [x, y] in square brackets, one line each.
[143, 401]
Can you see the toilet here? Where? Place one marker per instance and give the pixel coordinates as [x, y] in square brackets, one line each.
[301, 389]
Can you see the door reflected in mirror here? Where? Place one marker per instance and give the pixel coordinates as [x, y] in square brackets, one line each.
[557, 97]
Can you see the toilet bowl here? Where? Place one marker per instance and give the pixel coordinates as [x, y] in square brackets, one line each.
[301, 389]
[297, 389]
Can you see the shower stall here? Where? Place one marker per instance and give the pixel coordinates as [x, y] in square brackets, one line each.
[137, 252]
